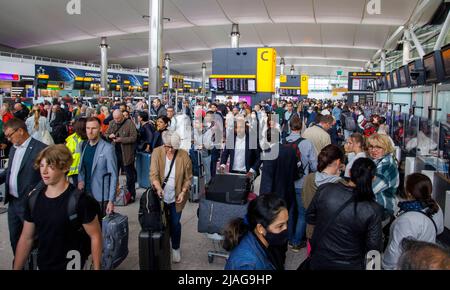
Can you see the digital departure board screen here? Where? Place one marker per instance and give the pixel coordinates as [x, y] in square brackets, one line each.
[446, 60]
[416, 73]
[395, 83]
[388, 85]
[42, 83]
[403, 76]
[429, 63]
[232, 85]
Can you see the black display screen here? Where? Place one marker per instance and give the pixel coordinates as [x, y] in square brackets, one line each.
[42, 83]
[446, 60]
[429, 64]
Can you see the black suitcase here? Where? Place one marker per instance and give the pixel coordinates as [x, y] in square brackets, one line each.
[229, 188]
[154, 250]
[213, 217]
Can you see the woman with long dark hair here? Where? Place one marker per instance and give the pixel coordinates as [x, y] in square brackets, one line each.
[420, 217]
[254, 241]
[329, 166]
[346, 219]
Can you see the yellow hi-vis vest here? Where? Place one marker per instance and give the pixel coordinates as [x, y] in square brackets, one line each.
[74, 143]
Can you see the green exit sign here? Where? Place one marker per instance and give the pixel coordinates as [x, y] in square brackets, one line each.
[339, 72]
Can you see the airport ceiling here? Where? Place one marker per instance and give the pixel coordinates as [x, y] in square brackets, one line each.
[317, 36]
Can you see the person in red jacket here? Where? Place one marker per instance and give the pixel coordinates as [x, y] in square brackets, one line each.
[6, 113]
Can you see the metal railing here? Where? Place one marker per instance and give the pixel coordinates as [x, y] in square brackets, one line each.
[63, 61]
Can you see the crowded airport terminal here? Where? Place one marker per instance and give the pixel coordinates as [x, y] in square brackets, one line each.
[224, 135]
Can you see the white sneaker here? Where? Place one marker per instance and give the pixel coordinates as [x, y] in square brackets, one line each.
[176, 256]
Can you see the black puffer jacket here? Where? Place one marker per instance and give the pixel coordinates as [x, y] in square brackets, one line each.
[354, 232]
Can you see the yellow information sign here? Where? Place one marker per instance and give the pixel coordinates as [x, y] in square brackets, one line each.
[283, 78]
[266, 70]
[304, 85]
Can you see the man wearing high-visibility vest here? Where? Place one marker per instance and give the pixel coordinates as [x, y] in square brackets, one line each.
[75, 143]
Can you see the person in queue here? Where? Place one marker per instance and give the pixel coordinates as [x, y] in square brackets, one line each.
[420, 217]
[253, 241]
[176, 191]
[346, 220]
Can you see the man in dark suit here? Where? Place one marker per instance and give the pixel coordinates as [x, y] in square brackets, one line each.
[243, 151]
[20, 177]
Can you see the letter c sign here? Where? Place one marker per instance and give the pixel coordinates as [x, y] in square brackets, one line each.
[262, 55]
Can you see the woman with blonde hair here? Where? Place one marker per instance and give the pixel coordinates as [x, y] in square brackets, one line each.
[38, 127]
[386, 182]
[104, 113]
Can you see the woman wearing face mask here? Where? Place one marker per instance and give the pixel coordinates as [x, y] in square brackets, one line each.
[329, 166]
[254, 241]
[347, 221]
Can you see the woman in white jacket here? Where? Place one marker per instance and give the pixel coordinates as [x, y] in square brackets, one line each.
[420, 218]
[38, 127]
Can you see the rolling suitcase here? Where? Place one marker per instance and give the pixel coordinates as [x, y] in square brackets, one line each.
[115, 240]
[229, 188]
[143, 161]
[115, 235]
[197, 163]
[214, 216]
[197, 188]
[154, 250]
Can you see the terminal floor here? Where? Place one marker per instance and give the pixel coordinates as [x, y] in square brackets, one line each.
[194, 245]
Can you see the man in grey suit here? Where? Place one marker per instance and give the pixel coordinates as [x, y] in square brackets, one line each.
[97, 160]
[20, 176]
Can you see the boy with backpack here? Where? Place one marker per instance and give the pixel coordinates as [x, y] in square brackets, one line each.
[306, 163]
[64, 220]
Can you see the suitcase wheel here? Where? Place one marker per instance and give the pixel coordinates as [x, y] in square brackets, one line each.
[210, 259]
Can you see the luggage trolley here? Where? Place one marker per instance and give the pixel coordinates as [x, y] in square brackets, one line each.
[216, 240]
[213, 217]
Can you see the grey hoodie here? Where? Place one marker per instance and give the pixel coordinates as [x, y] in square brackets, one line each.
[322, 178]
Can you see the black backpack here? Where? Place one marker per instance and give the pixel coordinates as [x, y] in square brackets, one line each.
[72, 214]
[151, 210]
[294, 145]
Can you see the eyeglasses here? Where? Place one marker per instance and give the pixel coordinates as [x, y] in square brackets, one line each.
[10, 135]
[168, 146]
[375, 148]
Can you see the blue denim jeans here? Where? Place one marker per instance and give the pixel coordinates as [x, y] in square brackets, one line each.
[175, 225]
[297, 223]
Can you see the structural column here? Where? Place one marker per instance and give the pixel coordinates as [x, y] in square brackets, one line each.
[203, 79]
[406, 48]
[383, 61]
[104, 67]
[167, 72]
[155, 41]
[282, 64]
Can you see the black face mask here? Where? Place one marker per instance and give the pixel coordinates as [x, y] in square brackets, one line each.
[277, 239]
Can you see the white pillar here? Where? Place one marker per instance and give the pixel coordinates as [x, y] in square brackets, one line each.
[282, 63]
[155, 41]
[235, 35]
[406, 48]
[383, 61]
[167, 72]
[104, 67]
[203, 79]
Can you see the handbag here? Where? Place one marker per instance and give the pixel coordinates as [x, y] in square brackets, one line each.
[47, 138]
[306, 264]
